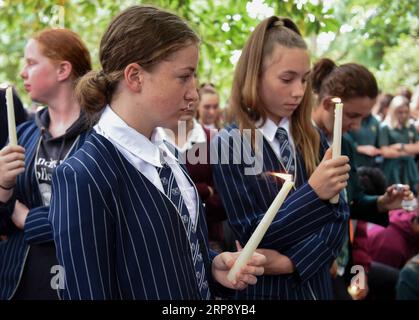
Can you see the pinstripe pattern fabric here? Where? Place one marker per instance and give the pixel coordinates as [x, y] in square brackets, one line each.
[117, 236]
[171, 189]
[13, 252]
[306, 229]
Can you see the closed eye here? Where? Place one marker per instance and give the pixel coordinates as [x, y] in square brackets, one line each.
[185, 78]
[286, 80]
[30, 62]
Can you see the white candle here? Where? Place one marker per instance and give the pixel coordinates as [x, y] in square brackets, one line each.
[337, 136]
[260, 231]
[283, 176]
[11, 117]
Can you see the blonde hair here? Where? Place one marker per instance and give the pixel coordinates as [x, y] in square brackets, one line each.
[245, 102]
[396, 103]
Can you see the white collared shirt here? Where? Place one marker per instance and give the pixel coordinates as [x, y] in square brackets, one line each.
[269, 130]
[209, 126]
[144, 155]
[329, 139]
[196, 135]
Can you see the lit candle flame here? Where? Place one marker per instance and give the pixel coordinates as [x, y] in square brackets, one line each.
[353, 290]
[284, 176]
[336, 100]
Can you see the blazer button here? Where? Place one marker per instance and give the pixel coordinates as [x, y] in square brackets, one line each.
[176, 191]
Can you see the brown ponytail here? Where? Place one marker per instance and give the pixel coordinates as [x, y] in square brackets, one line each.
[346, 81]
[321, 70]
[140, 34]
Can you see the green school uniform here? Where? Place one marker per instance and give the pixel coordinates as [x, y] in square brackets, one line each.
[403, 169]
[366, 135]
[362, 206]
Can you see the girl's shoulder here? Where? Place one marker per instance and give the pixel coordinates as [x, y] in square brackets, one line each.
[226, 133]
[27, 125]
[384, 127]
[26, 132]
[324, 143]
[95, 152]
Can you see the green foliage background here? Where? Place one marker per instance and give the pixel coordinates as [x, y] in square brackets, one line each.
[381, 34]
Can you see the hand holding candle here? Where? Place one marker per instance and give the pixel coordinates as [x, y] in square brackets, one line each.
[11, 117]
[260, 231]
[337, 136]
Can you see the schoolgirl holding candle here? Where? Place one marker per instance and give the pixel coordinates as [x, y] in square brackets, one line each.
[271, 99]
[127, 219]
[54, 60]
[356, 86]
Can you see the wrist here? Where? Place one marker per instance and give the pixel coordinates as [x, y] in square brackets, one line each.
[284, 265]
[381, 204]
[5, 195]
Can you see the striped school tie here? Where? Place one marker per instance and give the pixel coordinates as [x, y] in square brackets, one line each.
[286, 151]
[173, 192]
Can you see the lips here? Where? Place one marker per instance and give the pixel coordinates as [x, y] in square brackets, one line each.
[27, 87]
[291, 105]
[186, 109]
[187, 112]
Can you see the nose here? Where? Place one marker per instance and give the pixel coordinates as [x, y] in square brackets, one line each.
[23, 74]
[192, 93]
[298, 89]
[212, 111]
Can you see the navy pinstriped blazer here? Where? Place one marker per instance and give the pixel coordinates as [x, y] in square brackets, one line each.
[13, 252]
[117, 236]
[306, 229]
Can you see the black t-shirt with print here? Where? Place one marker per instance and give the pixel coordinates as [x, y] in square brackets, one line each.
[36, 279]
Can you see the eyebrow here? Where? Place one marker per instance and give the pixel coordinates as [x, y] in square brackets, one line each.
[191, 69]
[294, 73]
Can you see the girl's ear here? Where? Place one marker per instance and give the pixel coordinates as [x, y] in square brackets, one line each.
[328, 104]
[64, 69]
[134, 75]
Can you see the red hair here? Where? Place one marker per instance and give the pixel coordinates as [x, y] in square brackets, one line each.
[65, 45]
